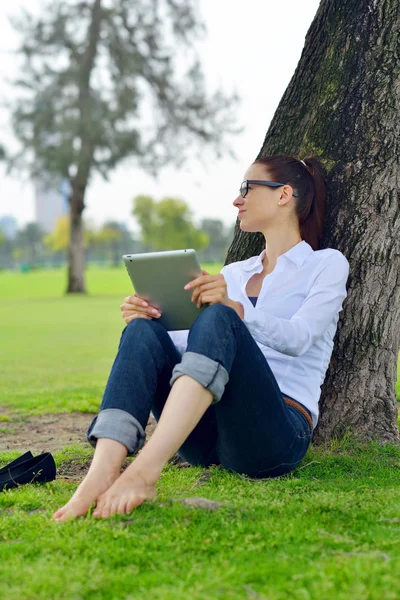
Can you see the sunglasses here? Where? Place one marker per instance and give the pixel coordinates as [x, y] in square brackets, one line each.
[244, 188]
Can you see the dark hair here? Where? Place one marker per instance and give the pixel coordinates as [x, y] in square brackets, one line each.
[310, 183]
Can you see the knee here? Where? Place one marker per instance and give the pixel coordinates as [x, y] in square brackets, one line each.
[218, 313]
[147, 337]
[216, 319]
[141, 329]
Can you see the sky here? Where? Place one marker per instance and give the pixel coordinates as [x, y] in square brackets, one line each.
[252, 47]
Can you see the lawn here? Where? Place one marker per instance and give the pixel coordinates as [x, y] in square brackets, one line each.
[328, 530]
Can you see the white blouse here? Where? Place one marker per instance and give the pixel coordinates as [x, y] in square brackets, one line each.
[295, 317]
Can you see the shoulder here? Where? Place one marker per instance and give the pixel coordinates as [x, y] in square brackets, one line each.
[331, 256]
[330, 265]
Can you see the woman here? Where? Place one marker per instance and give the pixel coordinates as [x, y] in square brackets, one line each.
[241, 388]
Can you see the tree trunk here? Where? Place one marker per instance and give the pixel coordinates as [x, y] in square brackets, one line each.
[343, 105]
[76, 253]
[76, 257]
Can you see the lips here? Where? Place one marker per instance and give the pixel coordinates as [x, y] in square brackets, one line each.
[241, 212]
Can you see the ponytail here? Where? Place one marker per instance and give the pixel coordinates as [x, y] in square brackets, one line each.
[311, 226]
[308, 179]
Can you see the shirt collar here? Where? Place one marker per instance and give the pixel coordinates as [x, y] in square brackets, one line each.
[297, 254]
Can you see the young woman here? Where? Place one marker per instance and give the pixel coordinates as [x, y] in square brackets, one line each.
[241, 388]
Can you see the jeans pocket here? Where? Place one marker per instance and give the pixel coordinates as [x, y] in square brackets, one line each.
[300, 424]
[302, 446]
[305, 434]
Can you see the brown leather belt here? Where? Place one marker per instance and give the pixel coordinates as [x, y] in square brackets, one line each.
[300, 409]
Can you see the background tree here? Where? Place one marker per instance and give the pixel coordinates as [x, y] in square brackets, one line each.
[343, 104]
[7, 251]
[103, 81]
[30, 241]
[114, 239]
[144, 211]
[220, 237]
[59, 239]
[167, 225]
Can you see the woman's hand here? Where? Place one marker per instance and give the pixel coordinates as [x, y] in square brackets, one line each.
[212, 289]
[137, 308]
[208, 289]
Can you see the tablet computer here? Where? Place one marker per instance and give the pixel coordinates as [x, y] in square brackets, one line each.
[159, 278]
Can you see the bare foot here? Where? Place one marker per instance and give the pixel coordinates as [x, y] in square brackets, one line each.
[88, 491]
[129, 491]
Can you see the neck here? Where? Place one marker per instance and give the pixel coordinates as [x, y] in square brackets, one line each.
[277, 243]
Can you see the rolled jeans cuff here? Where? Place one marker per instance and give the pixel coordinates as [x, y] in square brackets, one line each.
[118, 425]
[209, 373]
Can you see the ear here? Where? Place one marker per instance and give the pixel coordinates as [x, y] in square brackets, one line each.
[287, 192]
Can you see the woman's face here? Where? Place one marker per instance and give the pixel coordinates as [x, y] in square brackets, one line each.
[260, 209]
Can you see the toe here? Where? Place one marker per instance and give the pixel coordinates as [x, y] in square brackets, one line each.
[114, 507]
[121, 508]
[68, 515]
[103, 507]
[58, 513]
[105, 513]
[61, 511]
[99, 506]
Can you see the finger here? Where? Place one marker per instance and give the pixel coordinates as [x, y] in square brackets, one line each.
[151, 311]
[209, 298]
[214, 285]
[127, 308]
[196, 294]
[208, 286]
[204, 272]
[129, 315]
[200, 280]
[136, 301]
[135, 313]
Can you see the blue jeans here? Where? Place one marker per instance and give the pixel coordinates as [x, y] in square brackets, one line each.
[248, 428]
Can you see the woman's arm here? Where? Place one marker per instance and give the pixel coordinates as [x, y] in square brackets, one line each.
[212, 289]
[295, 336]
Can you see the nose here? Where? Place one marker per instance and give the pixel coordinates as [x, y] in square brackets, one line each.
[239, 201]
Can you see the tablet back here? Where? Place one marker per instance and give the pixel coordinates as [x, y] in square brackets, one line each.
[159, 278]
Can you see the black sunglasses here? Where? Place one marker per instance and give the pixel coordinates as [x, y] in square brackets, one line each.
[244, 188]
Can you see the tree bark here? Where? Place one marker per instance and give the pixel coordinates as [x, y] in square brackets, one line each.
[76, 253]
[343, 105]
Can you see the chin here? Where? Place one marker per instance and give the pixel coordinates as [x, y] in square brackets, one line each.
[246, 228]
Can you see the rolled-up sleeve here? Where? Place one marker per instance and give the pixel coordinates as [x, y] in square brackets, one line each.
[325, 300]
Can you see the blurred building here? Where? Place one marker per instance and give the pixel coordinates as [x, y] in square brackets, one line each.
[51, 202]
[9, 226]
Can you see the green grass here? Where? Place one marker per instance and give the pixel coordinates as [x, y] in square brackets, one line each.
[329, 530]
[58, 350]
